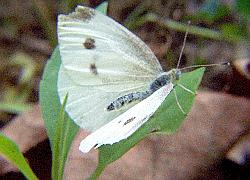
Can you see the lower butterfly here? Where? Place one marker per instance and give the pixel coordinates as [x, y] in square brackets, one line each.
[113, 80]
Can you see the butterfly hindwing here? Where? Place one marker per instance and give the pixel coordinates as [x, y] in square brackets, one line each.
[127, 123]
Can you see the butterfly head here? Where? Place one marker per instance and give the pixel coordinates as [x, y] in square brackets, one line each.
[175, 74]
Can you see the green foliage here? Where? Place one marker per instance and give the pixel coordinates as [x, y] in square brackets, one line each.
[27, 64]
[51, 111]
[234, 32]
[212, 11]
[14, 99]
[12, 107]
[60, 128]
[167, 119]
[61, 144]
[243, 7]
[11, 152]
[103, 8]
[43, 11]
[48, 97]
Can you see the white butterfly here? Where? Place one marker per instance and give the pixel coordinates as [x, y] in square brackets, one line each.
[106, 70]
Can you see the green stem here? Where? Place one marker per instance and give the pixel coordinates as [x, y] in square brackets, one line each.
[182, 27]
[46, 19]
[97, 172]
[14, 107]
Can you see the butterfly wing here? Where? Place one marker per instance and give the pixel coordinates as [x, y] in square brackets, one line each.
[86, 105]
[127, 123]
[101, 61]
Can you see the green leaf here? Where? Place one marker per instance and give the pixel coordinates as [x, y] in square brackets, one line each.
[60, 149]
[48, 90]
[243, 7]
[11, 152]
[103, 8]
[51, 111]
[49, 99]
[60, 128]
[167, 119]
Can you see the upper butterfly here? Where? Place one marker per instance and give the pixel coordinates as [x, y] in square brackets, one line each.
[109, 75]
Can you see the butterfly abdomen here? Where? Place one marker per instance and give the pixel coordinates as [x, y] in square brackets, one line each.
[159, 82]
[126, 99]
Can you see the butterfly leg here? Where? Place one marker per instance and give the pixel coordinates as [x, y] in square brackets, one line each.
[186, 89]
[178, 103]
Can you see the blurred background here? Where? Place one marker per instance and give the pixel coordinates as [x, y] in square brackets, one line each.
[219, 32]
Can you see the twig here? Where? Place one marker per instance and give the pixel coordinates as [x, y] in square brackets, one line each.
[178, 26]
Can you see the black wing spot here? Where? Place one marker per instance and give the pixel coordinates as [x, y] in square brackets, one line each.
[95, 145]
[129, 121]
[93, 68]
[89, 43]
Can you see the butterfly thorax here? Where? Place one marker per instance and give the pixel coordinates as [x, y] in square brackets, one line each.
[162, 80]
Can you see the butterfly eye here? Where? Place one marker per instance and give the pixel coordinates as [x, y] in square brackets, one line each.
[178, 74]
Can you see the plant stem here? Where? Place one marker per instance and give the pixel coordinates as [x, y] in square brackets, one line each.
[44, 12]
[178, 26]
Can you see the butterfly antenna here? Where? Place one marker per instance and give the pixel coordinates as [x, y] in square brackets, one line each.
[206, 65]
[183, 46]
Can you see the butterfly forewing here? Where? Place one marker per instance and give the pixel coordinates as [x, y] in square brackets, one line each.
[101, 61]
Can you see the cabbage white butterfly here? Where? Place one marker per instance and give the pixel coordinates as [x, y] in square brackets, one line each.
[113, 80]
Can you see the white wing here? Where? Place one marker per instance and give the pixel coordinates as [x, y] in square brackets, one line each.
[127, 123]
[101, 61]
